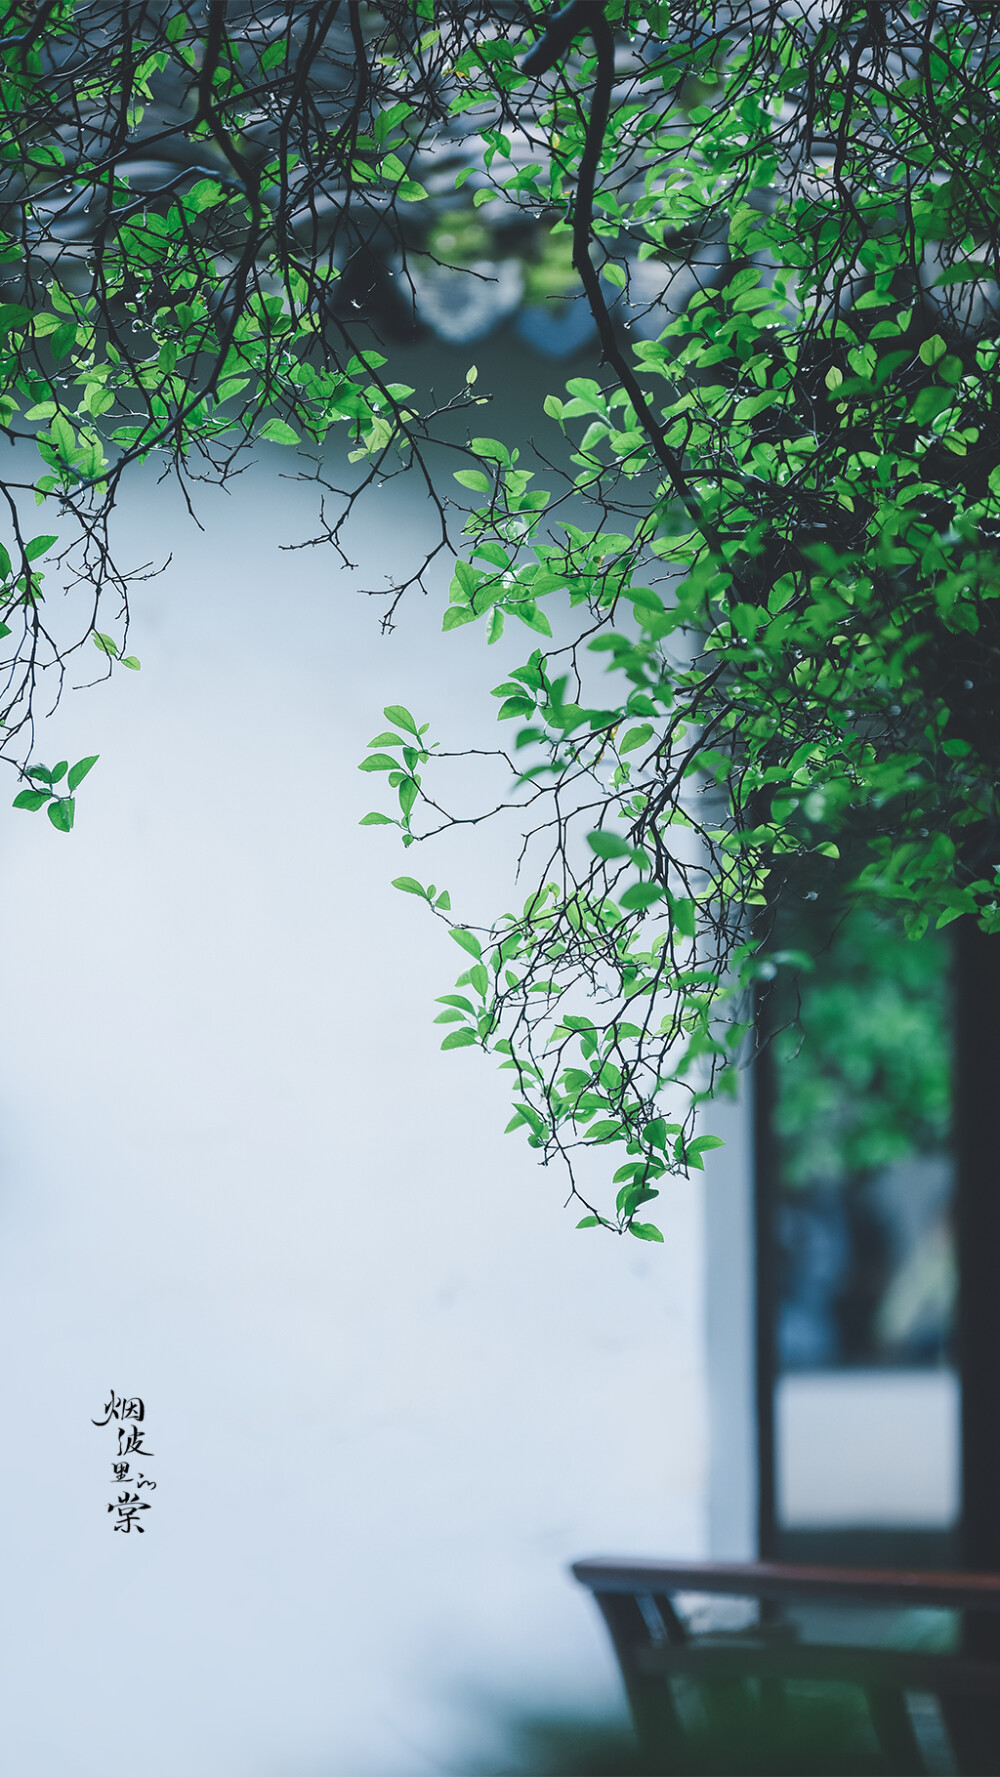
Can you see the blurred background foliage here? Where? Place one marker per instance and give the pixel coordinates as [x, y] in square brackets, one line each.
[863, 1060]
[861, 1063]
[806, 1730]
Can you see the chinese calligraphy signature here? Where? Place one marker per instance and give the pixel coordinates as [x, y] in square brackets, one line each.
[128, 1413]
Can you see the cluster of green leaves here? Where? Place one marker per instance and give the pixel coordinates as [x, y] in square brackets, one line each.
[189, 311]
[403, 777]
[810, 456]
[778, 526]
[44, 793]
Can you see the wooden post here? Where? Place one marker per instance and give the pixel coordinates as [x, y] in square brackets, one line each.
[975, 1727]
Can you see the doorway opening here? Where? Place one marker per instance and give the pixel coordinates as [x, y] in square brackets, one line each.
[858, 1389]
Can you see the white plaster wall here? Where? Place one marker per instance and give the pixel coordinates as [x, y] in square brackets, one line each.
[390, 1390]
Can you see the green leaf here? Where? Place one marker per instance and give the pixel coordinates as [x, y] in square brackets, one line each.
[376, 820]
[80, 770]
[31, 799]
[61, 813]
[608, 845]
[63, 436]
[279, 432]
[38, 546]
[640, 895]
[929, 403]
[379, 762]
[702, 1144]
[689, 1154]
[632, 1196]
[456, 615]
[13, 315]
[968, 271]
[475, 479]
[400, 718]
[468, 941]
[532, 616]
[752, 405]
[387, 120]
[645, 1231]
[132, 662]
[493, 552]
[106, 644]
[410, 886]
[491, 447]
[933, 349]
[683, 914]
[388, 739]
[636, 737]
[590, 1222]
[459, 1039]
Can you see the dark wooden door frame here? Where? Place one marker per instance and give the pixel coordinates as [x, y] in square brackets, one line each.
[977, 1154]
[765, 1290]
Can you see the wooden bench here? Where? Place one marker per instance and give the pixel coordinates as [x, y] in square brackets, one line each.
[656, 1646]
